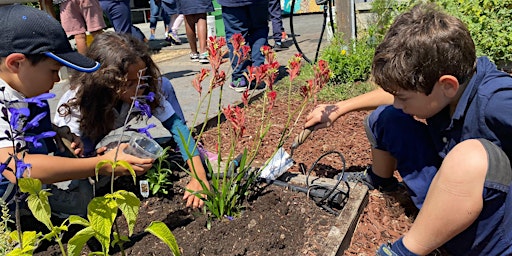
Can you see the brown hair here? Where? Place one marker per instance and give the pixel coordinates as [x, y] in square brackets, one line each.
[422, 45]
[99, 92]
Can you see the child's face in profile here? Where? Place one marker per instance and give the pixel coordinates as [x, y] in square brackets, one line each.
[134, 71]
[419, 104]
[39, 78]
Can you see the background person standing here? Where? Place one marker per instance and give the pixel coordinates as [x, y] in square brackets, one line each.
[79, 16]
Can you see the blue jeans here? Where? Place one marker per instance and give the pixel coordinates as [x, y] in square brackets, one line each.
[275, 12]
[156, 7]
[118, 12]
[252, 22]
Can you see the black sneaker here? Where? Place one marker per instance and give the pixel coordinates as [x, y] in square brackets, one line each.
[278, 46]
[239, 85]
[372, 181]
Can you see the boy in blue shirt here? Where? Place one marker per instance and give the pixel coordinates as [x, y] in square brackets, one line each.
[442, 121]
[33, 48]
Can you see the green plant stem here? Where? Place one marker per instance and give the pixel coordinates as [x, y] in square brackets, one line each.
[123, 253]
[18, 216]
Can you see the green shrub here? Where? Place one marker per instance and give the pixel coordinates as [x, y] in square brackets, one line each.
[489, 22]
[349, 63]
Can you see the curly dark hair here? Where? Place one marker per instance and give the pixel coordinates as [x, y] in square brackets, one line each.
[422, 45]
[98, 93]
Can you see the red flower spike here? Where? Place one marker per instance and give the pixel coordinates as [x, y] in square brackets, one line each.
[245, 51]
[294, 65]
[236, 117]
[198, 78]
[271, 99]
[245, 98]
[219, 79]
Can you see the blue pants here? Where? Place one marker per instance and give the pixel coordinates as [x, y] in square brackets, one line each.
[156, 7]
[410, 143]
[119, 14]
[275, 12]
[252, 22]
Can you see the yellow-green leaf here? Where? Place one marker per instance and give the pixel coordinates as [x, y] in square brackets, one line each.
[129, 167]
[101, 213]
[29, 185]
[129, 205]
[160, 230]
[77, 242]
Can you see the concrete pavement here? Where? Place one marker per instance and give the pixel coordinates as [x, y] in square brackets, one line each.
[174, 63]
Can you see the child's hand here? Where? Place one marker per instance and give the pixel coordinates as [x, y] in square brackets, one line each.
[322, 116]
[139, 165]
[192, 200]
[67, 141]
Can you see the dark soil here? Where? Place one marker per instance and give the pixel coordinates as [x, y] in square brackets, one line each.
[278, 221]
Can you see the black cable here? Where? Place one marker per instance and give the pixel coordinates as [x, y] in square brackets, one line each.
[293, 33]
[329, 196]
[327, 7]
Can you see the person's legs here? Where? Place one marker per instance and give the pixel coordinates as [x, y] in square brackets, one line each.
[274, 11]
[176, 22]
[399, 142]
[154, 9]
[81, 43]
[190, 28]
[119, 15]
[454, 200]
[236, 22]
[258, 32]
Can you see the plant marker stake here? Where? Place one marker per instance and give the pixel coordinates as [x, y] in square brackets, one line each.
[144, 188]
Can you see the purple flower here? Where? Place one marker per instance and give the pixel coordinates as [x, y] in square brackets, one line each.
[230, 218]
[150, 97]
[16, 115]
[21, 167]
[39, 100]
[145, 129]
[35, 139]
[34, 122]
[3, 166]
[146, 110]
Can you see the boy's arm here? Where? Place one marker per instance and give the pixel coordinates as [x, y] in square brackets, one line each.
[51, 169]
[325, 114]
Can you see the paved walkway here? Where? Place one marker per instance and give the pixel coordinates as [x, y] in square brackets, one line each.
[175, 64]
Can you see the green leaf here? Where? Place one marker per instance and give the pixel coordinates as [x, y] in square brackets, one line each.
[101, 213]
[160, 230]
[77, 242]
[129, 168]
[40, 207]
[73, 219]
[129, 205]
[29, 185]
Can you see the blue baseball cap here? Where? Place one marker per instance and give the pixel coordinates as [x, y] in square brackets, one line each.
[30, 31]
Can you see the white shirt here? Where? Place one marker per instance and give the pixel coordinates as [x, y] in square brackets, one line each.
[9, 94]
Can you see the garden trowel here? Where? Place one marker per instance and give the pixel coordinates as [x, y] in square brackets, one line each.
[282, 161]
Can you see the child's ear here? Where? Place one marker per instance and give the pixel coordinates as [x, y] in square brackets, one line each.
[13, 61]
[450, 85]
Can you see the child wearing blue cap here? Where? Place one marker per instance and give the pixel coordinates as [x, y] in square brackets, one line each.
[33, 48]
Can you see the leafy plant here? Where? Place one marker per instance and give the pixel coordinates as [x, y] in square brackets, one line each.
[488, 21]
[232, 183]
[6, 243]
[158, 175]
[349, 62]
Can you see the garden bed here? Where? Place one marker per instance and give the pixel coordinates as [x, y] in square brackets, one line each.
[279, 221]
